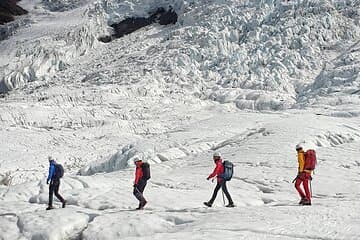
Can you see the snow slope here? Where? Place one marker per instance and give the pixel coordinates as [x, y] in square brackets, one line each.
[172, 95]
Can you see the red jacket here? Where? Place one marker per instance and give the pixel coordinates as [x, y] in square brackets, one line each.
[219, 169]
[138, 172]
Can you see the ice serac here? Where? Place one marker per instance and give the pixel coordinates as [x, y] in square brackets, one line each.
[62, 5]
[262, 59]
[39, 58]
[120, 160]
[261, 55]
[338, 83]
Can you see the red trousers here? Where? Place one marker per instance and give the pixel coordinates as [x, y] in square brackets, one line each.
[304, 178]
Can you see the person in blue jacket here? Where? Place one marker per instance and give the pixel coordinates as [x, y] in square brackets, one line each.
[54, 185]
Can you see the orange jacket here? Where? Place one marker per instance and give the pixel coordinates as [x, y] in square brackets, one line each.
[301, 161]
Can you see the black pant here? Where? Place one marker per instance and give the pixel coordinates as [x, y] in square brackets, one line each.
[54, 188]
[221, 185]
[139, 189]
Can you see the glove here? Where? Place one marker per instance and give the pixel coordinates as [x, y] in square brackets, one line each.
[208, 178]
[135, 185]
[47, 182]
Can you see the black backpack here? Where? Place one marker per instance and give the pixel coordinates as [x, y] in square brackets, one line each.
[146, 171]
[228, 170]
[59, 171]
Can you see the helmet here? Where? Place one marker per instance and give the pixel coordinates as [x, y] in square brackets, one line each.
[299, 146]
[50, 158]
[136, 159]
[216, 154]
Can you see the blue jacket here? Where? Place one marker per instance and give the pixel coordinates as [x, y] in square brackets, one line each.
[51, 170]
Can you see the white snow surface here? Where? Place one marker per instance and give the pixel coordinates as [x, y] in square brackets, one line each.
[250, 79]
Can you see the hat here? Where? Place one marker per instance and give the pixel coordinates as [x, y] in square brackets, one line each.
[216, 154]
[299, 146]
[136, 159]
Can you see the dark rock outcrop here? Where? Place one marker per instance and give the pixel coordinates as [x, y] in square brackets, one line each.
[168, 17]
[129, 25]
[132, 24]
[9, 9]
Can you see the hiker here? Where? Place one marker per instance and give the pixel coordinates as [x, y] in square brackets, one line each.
[221, 183]
[56, 171]
[303, 177]
[142, 175]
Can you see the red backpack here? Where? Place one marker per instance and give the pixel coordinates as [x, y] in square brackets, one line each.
[310, 159]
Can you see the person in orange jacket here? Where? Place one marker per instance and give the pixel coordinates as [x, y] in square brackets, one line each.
[303, 177]
[221, 183]
[139, 184]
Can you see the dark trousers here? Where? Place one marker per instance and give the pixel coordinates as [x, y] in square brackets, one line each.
[54, 188]
[221, 185]
[139, 189]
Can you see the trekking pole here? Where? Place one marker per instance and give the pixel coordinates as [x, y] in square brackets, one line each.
[297, 176]
[223, 196]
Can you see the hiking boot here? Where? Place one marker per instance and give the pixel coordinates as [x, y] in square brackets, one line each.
[230, 205]
[141, 205]
[49, 208]
[302, 201]
[306, 203]
[208, 204]
[64, 204]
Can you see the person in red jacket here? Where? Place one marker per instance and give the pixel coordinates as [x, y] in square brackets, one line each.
[221, 183]
[139, 183]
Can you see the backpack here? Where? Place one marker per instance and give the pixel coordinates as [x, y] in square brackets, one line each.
[310, 159]
[59, 171]
[228, 170]
[146, 171]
